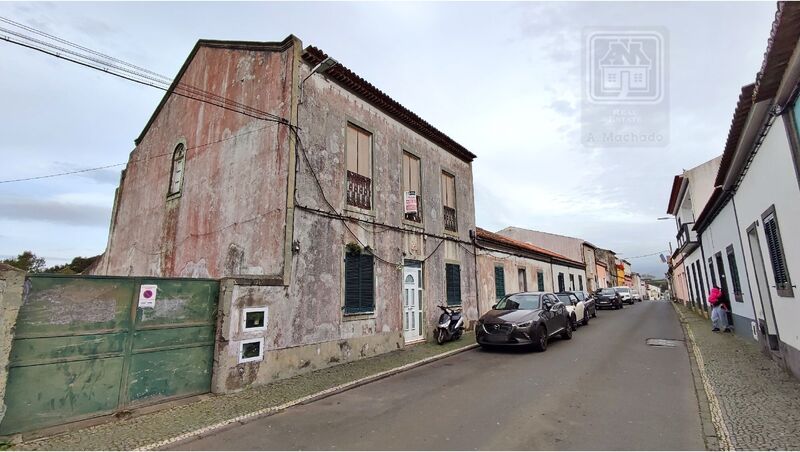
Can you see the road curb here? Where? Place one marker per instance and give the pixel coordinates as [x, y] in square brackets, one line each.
[264, 412]
[710, 411]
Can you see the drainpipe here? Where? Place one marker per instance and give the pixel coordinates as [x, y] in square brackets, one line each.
[473, 236]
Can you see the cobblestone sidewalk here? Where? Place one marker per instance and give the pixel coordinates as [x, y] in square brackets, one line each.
[758, 401]
[152, 428]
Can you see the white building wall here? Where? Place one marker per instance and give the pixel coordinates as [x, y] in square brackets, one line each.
[567, 271]
[697, 293]
[771, 179]
[720, 234]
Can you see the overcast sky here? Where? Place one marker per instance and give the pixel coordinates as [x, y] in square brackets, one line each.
[502, 79]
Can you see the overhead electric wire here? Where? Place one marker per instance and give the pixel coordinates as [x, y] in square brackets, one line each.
[137, 74]
[132, 162]
[644, 255]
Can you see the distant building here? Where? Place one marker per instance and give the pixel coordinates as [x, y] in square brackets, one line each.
[573, 248]
[690, 191]
[507, 266]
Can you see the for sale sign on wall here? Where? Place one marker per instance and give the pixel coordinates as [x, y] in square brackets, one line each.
[411, 202]
[147, 295]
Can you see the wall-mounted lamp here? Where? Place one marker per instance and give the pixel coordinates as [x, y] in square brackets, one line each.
[322, 67]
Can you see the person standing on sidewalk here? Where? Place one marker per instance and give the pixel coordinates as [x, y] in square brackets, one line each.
[719, 318]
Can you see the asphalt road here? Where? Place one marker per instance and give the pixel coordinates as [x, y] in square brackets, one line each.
[604, 389]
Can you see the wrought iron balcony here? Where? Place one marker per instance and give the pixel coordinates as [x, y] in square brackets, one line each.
[450, 219]
[359, 191]
[686, 236]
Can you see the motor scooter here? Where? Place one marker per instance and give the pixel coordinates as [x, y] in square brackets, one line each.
[451, 325]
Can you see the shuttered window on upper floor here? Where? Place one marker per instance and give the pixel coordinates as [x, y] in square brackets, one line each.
[776, 255]
[176, 174]
[412, 172]
[358, 154]
[359, 283]
[449, 202]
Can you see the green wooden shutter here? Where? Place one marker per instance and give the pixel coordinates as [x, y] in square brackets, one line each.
[775, 252]
[737, 285]
[359, 284]
[453, 283]
[499, 283]
[367, 283]
[540, 280]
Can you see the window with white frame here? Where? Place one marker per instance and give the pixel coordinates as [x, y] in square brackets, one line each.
[251, 350]
[176, 175]
[254, 319]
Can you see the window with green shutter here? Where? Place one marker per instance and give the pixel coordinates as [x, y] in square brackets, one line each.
[499, 283]
[776, 255]
[359, 283]
[540, 280]
[737, 285]
[453, 283]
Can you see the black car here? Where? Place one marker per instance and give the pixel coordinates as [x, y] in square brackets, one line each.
[607, 298]
[588, 300]
[524, 319]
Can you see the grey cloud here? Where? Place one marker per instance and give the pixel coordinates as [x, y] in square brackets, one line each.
[55, 212]
[563, 107]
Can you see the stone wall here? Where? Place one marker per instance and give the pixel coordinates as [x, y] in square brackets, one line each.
[12, 287]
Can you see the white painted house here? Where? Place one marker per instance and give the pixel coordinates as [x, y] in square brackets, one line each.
[747, 225]
[689, 194]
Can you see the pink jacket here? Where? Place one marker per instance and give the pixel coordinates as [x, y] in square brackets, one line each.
[714, 296]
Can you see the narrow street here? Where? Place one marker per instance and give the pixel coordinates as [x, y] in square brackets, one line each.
[604, 389]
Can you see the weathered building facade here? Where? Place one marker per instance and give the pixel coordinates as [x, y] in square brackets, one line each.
[507, 266]
[577, 250]
[336, 218]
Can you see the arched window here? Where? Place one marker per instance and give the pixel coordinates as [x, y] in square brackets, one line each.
[176, 178]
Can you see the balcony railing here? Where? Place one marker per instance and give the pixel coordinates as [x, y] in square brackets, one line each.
[450, 219]
[359, 191]
[686, 235]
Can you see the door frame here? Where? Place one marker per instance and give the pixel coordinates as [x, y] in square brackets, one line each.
[411, 263]
[752, 234]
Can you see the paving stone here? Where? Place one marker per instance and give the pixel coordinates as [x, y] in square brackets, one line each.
[759, 401]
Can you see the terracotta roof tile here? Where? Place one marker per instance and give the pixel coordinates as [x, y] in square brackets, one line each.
[491, 236]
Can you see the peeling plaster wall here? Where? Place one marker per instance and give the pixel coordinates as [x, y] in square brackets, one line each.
[488, 260]
[230, 217]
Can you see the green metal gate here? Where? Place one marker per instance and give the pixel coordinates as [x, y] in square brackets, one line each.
[83, 347]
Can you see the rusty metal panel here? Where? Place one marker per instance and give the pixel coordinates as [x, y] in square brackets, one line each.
[84, 348]
[67, 354]
[173, 343]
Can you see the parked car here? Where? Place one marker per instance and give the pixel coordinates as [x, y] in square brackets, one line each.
[608, 298]
[625, 293]
[524, 319]
[636, 297]
[588, 300]
[575, 308]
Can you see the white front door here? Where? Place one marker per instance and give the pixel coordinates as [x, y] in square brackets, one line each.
[412, 303]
